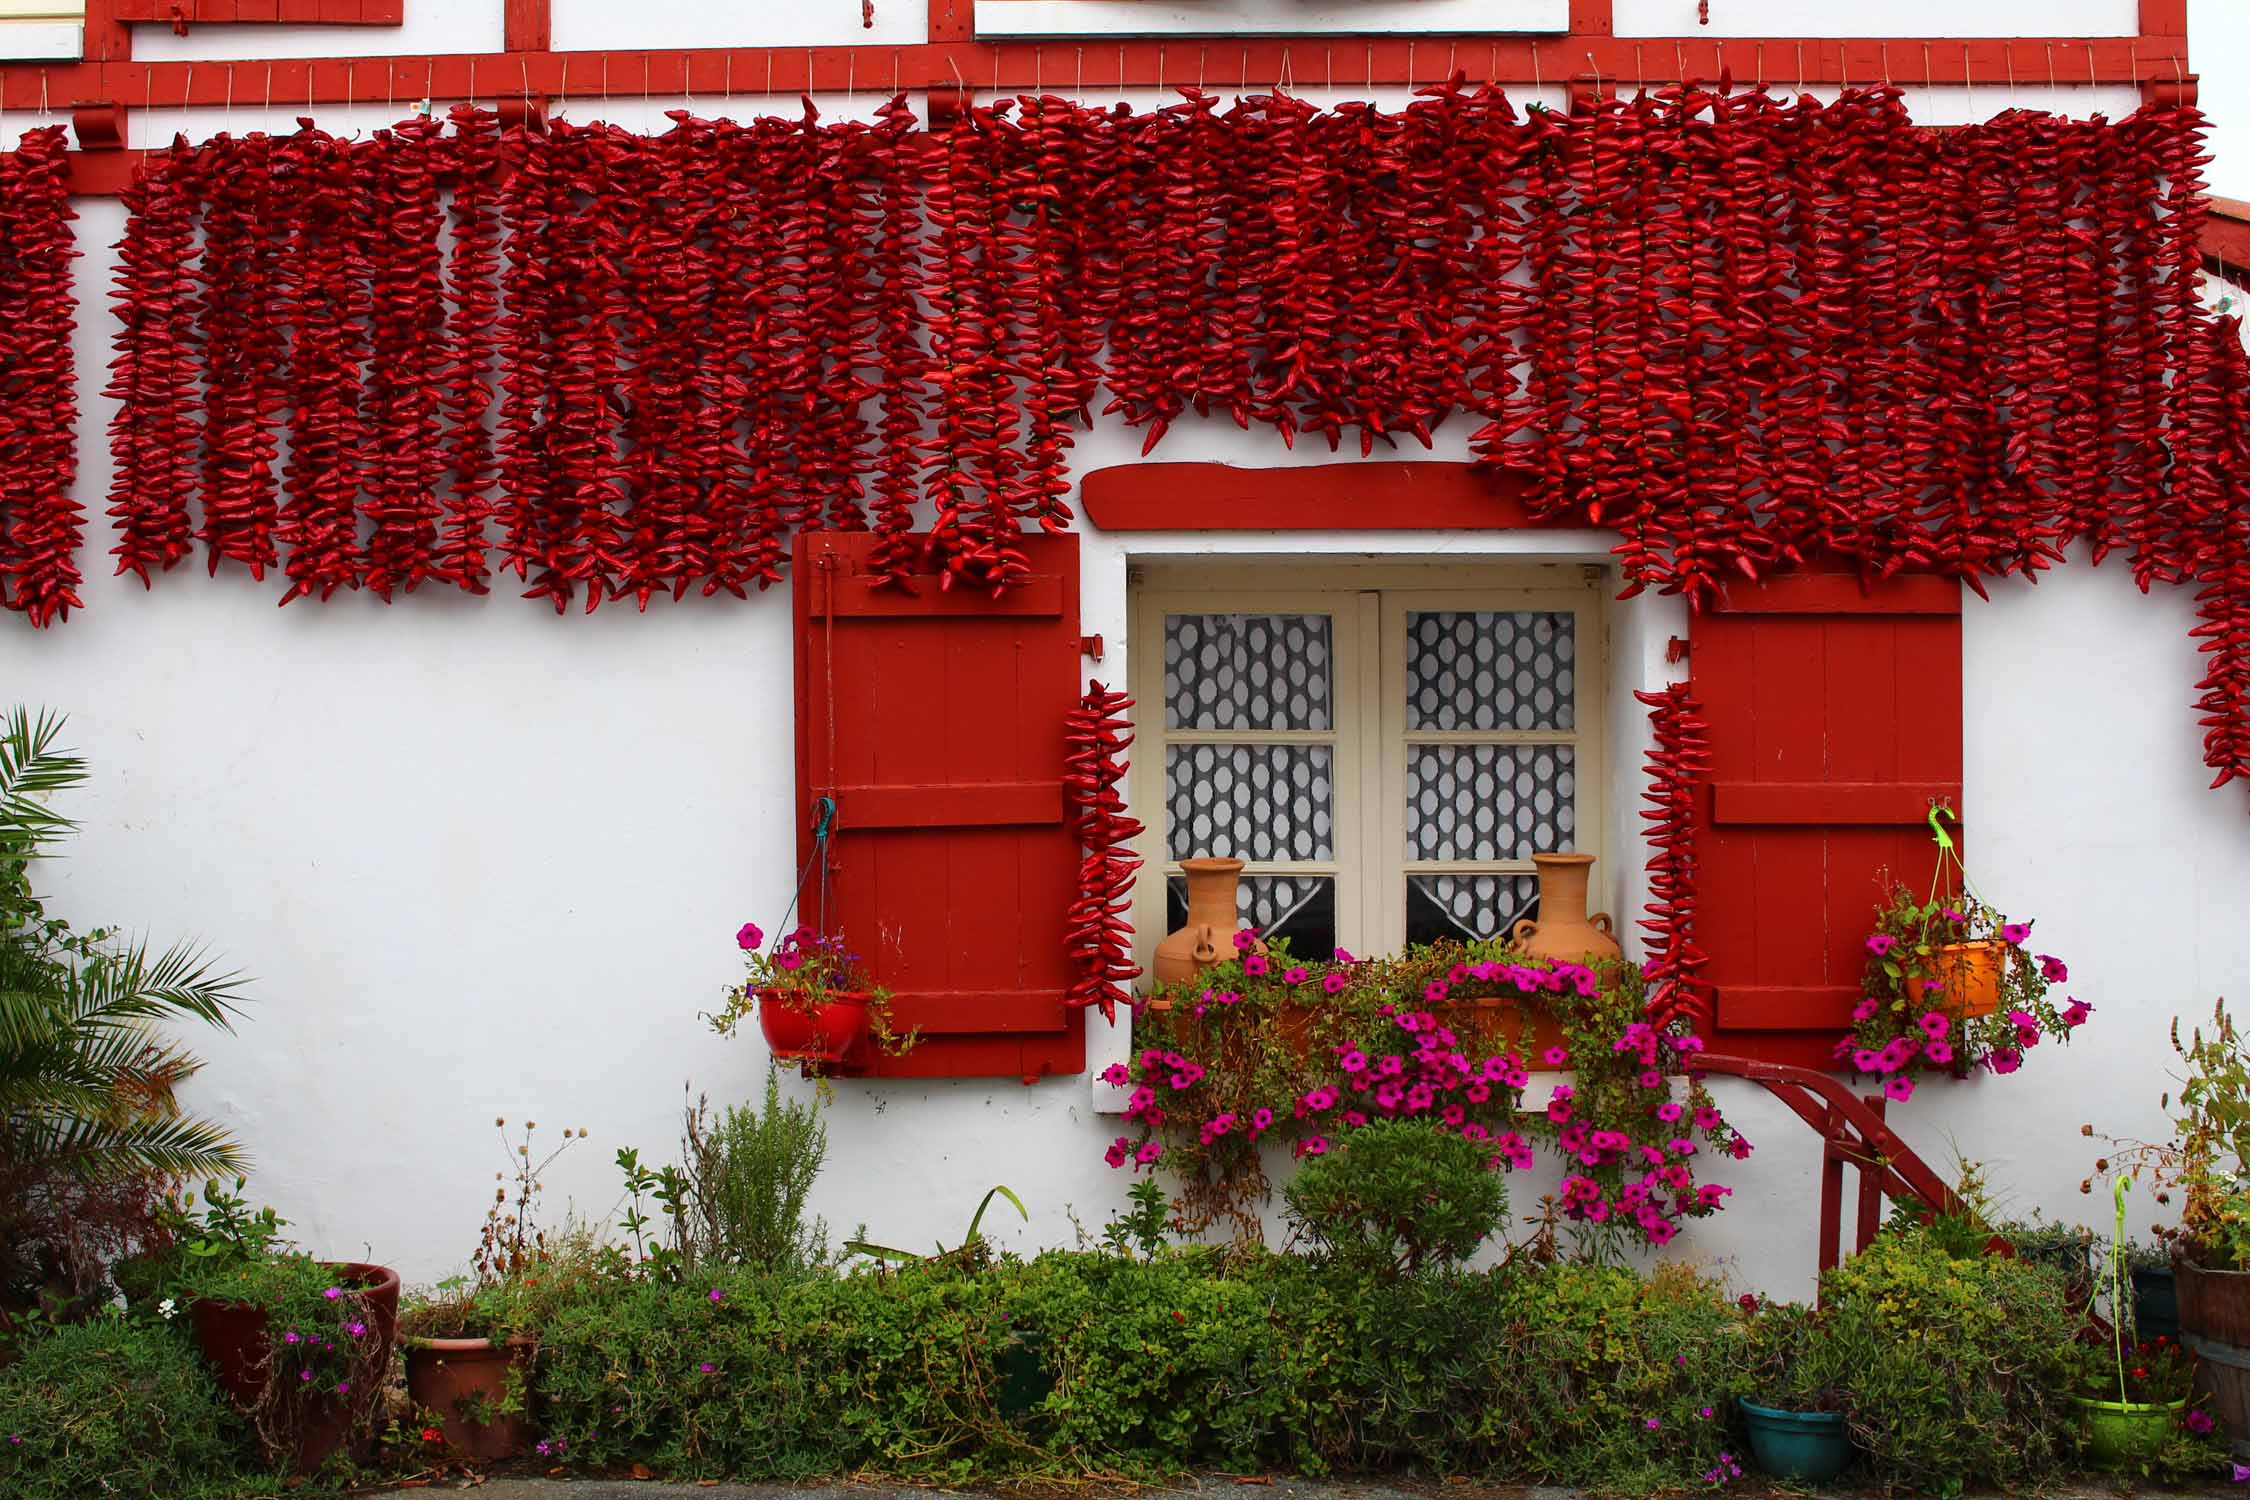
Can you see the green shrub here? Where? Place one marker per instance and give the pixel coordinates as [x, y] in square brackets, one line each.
[1395, 1195]
[751, 1172]
[112, 1407]
[1962, 1367]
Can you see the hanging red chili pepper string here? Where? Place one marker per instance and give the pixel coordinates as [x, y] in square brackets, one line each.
[1679, 760]
[658, 313]
[38, 394]
[899, 358]
[151, 435]
[406, 314]
[472, 288]
[528, 296]
[325, 298]
[1099, 930]
[242, 355]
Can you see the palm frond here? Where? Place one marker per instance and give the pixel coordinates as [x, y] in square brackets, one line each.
[31, 768]
[176, 1146]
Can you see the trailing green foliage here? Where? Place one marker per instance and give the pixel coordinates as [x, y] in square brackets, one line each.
[1961, 1367]
[1396, 1195]
[113, 1407]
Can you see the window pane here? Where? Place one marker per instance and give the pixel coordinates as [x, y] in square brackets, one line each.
[1247, 672]
[1490, 671]
[1467, 906]
[1301, 908]
[1264, 803]
[1490, 801]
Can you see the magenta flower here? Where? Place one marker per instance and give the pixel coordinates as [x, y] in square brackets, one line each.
[2197, 1422]
[1881, 943]
[1650, 1078]
[1261, 1118]
[1901, 1088]
[1254, 964]
[1864, 1010]
[1865, 1060]
[1556, 1056]
[1148, 1153]
[356, 1330]
[1940, 1053]
[789, 959]
[1670, 1110]
[717, 1295]
[1651, 1424]
[343, 1387]
[2004, 1061]
[748, 937]
[707, 1367]
[1245, 940]
[1951, 915]
[291, 1337]
[333, 1293]
[1332, 984]
[2074, 1014]
[304, 1374]
[1296, 974]
[1117, 1075]
[1345, 958]
[2053, 969]
[1117, 1151]
[2014, 933]
[1934, 1025]
[1355, 1117]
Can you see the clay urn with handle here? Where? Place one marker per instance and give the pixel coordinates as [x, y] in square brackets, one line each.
[1208, 936]
[1562, 929]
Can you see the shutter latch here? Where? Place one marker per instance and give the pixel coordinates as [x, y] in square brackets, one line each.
[1090, 645]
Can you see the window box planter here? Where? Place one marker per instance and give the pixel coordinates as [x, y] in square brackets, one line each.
[237, 1344]
[2117, 1431]
[1806, 1446]
[465, 1381]
[825, 1033]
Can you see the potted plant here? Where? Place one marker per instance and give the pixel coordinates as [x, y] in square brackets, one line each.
[1952, 983]
[816, 1004]
[2201, 1171]
[300, 1346]
[2156, 1295]
[1796, 1428]
[471, 1344]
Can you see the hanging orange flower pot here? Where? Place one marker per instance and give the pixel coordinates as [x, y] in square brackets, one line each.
[1967, 978]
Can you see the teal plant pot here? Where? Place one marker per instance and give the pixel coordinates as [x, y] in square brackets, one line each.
[1025, 1379]
[2156, 1303]
[2120, 1430]
[1808, 1446]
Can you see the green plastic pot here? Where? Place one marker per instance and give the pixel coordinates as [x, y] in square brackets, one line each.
[1808, 1446]
[2118, 1430]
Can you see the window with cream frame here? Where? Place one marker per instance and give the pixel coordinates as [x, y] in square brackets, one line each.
[1383, 746]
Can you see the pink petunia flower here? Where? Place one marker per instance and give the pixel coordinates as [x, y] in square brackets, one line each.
[1296, 974]
[1934, 1024]
[1245, 940]
[2053, 969]
[1254, 963]
[1940, 1053]
[1332, 984]
[1556, 1056]
[2015, 933]
[2075, 1013]
[1881, 943]
[1864, 1010]
[2004, 1061]
[748, 937]
[1900, 1088]
[1117, 1152]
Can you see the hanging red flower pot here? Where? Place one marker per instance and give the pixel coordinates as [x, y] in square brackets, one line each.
[819, 1031]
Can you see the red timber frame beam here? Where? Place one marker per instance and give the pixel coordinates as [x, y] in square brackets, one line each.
[100, 89]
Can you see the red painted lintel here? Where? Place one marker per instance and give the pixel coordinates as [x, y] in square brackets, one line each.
[1349, 496]
[1138, 63]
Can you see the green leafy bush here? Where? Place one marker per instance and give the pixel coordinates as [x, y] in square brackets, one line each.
[1962, 1368]
[751, 1172]
[112, 1407]
[1395, 1195]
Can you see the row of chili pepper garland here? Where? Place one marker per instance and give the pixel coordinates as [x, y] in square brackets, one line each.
[1736, 329]
[40, 524]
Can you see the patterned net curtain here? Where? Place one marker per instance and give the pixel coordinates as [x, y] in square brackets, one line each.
[1491, 775]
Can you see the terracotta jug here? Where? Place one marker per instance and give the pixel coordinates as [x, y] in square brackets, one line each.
[1208, 936]
[1563, 930]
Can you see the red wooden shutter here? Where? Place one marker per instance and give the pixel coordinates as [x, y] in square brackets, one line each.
[1835, 716]
[935, 719]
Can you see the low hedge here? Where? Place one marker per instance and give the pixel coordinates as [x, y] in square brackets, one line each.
[1246, 1362]
[1957, 1373]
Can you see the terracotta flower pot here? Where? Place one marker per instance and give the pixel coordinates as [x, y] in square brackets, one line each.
[460, 1379]
[1968, 978]
[236, 1343]
[823, 1032]
[1562, 929]
[1212, 921]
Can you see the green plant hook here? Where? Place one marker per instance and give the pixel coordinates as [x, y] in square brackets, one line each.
[1938, 834]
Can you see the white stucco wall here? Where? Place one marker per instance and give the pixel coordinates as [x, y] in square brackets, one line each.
[484, 861]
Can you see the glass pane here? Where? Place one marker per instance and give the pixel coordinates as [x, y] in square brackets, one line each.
[1263, 803]
[1467, 906]
[1301, 908]
[1490, 671]
[1247, 672]
[1490, 801]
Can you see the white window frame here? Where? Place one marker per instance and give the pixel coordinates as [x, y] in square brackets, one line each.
[1368, 605]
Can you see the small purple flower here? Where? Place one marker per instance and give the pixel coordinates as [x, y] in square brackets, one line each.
[2198, 1422]
[1651, 1423]
[717, 1295]
[343, 1388]
[707, 1367]
[333, 1293]
[304, 1374]
[292, 1337]
[356, 1330]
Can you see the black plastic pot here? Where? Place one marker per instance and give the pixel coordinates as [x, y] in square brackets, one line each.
[2156, 1303]
[1025, 1379]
